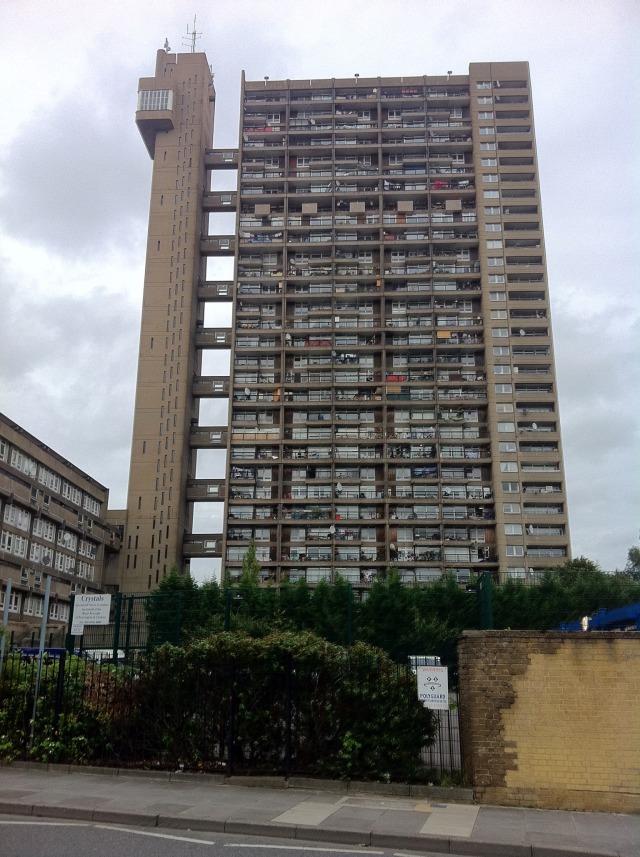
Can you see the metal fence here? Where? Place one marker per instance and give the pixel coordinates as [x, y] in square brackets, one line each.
[445, 754]
[231, 717]
[140, 622]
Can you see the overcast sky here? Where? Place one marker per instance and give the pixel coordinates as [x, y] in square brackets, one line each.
[75, 184]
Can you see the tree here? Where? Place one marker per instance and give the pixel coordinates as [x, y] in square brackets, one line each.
[177, 610]
[389, 617]
[633, 563]
[251, 568]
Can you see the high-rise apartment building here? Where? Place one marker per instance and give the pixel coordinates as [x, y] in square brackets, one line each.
[392, 395]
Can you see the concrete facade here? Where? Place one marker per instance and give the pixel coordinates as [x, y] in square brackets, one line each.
[392, 396]
[552, 720]
[53, 523]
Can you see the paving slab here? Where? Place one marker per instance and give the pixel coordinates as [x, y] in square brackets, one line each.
[336, 815]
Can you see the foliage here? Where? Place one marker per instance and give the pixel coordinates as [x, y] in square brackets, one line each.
[250, 575]
[633, 563]
[354, 712]
[402, 620]
[74, 734]
[180, 609]
[578, 588]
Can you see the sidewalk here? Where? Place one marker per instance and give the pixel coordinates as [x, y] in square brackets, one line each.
[331, 813]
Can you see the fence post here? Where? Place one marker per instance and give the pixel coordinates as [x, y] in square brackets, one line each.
[178, 620]
[231, 712]
[69, 639]
[5, 622]
[127, 639]
[116, 626]
[288, 710]
[59, 692]
[227, 609]
[43, 634]
[486, 604]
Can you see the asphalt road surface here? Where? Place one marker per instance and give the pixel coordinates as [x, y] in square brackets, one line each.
[41, 838]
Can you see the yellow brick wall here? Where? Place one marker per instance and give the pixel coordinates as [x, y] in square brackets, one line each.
[552, 719]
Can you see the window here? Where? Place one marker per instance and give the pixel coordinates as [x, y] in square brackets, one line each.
[491, 194]
[48, 479]
[500, 350]
[89, 504]
[510, 487]
[499, 332]
[58, 611]
[17, 517]
[498, 313]
[497, 296]
[23, 463]
[483, 84]
[13, 544]
[490, 178]
[494, 244]
[70, 492]
[155, 99]
[513, 529]
[489, 162]
[496, 278]
[507, 446]
[502, 369]
[504, 408]
[495, 261]
[485, 99]
[514, 550]
[488, 146]
[508, 466]
[485, 114]
[493, 227]
[491, 209]
[511, 508]
[44, 529]
[486, 130]
[32, 606]
[506, 427]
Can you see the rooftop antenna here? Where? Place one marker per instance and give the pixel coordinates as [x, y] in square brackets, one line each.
[192, 37]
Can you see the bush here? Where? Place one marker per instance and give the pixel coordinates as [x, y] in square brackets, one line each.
[343, 713]
[68, 727]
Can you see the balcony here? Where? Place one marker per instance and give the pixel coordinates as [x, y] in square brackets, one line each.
[221, 159]
[202, 490]
[208, 437]
[217, 245]
[217, 201]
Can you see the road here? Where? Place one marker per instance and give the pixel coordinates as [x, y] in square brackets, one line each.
[55, 838]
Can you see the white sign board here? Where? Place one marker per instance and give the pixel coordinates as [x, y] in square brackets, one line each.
[90, 610]
[433, 687]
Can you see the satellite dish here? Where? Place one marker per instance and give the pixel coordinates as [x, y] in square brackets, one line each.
[534, 426]
[247, 391]
[46, 560]
[521, 331]
[66, 538]
[332, 530]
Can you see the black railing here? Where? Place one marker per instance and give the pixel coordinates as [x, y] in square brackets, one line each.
[168, 711]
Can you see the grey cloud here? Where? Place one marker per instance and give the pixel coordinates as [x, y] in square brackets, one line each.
[75, 185]
[68, 377]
